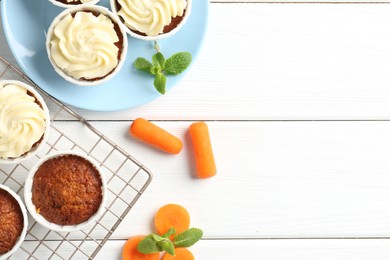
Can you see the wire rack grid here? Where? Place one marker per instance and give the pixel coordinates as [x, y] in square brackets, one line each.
[127, 179]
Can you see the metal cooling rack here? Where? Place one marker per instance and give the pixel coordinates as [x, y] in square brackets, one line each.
[129, 177]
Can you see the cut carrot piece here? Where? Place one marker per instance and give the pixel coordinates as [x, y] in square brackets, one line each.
[204, 157]
[130, 251]
[172, 216]
[155, 136]
[180, 254]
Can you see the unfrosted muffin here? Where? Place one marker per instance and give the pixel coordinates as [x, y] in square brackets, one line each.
[86, 46]
[152, 19]
[13, 222]
[67, 190]
[24, 121]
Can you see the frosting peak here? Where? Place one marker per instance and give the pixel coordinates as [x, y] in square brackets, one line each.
[150, 16]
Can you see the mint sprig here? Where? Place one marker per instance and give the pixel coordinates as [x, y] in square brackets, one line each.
[159, 67]
[155, 243]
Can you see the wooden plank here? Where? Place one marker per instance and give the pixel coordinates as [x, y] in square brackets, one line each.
[275, 179]
[278, 249]
[264, 249]
[282, 62]
[301, 1]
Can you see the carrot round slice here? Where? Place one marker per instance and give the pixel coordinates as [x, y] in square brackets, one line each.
[172, 216]
[130, 251]
[180, 254]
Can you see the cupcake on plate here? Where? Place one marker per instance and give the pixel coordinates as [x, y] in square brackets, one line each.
[24, 121]
[86, 46]
[13, 222]
[71, 3]
[65, 191]
[152, 19]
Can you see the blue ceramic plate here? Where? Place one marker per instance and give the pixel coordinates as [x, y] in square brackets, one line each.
[26, 22]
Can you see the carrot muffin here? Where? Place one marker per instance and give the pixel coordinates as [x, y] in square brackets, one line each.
[86, 44]
[22, 120]
[67, 190]
[151, 17]
[74, 2]
[11, 222]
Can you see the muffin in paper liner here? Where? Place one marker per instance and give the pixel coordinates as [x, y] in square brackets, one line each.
[24, 122]
[35, 212]
[22, 235]
[115, 7]
[100, 56]
[73, 3]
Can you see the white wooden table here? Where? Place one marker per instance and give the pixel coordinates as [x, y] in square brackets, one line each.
[297, 98]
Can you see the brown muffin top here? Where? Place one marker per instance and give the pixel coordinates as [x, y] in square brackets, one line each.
[67, 190]
[11, 221]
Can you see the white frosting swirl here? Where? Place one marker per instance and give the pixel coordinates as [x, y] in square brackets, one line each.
[83, 46]
[22, 121]
[150, 16]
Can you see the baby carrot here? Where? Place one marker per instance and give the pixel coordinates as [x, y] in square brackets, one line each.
[172, 216]
[204, 157]
[130, 251]
[180, 254]
[155, 136]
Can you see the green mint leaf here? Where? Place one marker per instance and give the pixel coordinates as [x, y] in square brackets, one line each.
[158, 60]
[178, 63]
[167, 246]
[170, 232]
[188, 238]
[148, 245]
[160, 82]
[143, 64]
[158, 238]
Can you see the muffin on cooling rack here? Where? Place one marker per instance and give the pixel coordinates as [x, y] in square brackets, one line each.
[24, 121]
[72, 3]
[86, 46]
[65, 191]
[13, 222]
[152, 20]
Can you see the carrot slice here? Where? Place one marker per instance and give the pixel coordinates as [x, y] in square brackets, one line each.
[130, 251]
[172, 216]
[204, 157]
[155, 136]
[180, 254]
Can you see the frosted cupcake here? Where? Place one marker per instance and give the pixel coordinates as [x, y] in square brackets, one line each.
[71, 3]
[86, 46]
[152, 19]
[24, 121]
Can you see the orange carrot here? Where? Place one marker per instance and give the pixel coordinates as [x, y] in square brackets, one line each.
[181, 254]
[204, 157]
[155, 136]
[172, 216]
[130, 251]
